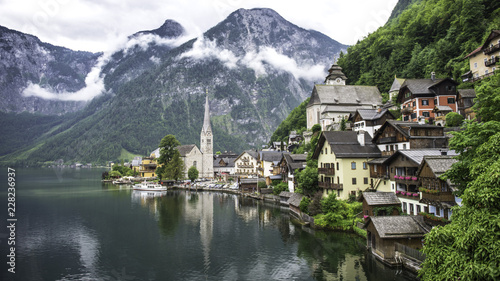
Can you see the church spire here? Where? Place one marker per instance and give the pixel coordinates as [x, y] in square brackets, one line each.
[206, 121]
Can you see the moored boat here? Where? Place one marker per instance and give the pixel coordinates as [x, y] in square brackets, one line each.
[149, 186]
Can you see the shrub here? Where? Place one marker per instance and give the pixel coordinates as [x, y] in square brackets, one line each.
[304, 204]
[277, 189]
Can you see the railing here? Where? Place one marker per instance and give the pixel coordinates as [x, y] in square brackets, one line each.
[245, 166]
[407, 110]
[387, 140]
[326, 171]
[491, 49]
[491, 61]
[414, 253]
[441, 196]
[407, 194]
[331, 185]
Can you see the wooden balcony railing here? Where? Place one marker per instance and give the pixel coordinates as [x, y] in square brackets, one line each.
[491, 49]
[326, 171]
[491, 61]
[441, 196]
[330, 185]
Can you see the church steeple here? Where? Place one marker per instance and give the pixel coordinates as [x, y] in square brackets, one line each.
[335, 75]
[206, 122]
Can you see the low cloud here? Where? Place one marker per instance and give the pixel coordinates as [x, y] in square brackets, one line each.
[94, 82]
[259, 61]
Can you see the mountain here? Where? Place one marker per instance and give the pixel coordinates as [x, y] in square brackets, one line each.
[25, 59]
[255, 66]
[422, 36]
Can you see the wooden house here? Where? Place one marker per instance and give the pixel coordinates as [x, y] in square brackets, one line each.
[370, 120]
[385, 231]
[380, 204]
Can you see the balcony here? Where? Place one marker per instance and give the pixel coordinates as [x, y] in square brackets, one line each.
[387, 140]
[491, 61]
[330, 185]
[491, 49]
[408, 195]
[439, 196]
[407, 110]
[243, 166]
[406, 179]
[326, 171]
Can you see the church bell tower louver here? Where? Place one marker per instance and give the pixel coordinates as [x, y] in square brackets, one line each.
[206, 144]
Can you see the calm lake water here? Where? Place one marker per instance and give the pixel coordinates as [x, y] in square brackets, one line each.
[70, 226]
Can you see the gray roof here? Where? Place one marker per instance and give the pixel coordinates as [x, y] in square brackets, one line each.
[295, 161]
[417, 155]
[397, 227]
[380, 160]
[439, 164]
[272, 156]
[396, 84]
[298, 157]
[467, 93]
[185, 149]
[421, 86]
[403, 126]
[228, 160]
[345, 145]
[381, 198]
[372, 114]
[286, 194]
[342, 95]
[295, 199]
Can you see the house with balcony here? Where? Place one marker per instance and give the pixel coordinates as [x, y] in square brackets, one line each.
[224, 166]
[483, 60]
[418, 97]
[267, 160]
[246, 163]
[148, 167]
[437, 193]
[399, 135]
[343, 162]
[287, 166]
[370, 120]
[402, 169]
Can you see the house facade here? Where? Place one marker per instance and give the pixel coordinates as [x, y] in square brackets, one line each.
[191, 157]
[370, 120]
[398, 135]
[483, 60]
[246, 163]
[268, 160]
[418, 97]
[343, 162]
[380, 204]
[334, 100]
[288, 165]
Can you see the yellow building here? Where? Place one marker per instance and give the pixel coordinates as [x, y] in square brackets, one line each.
[343, 162]
[483, 60]
[148, 167]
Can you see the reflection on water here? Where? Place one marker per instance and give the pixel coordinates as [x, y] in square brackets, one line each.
[77, 228]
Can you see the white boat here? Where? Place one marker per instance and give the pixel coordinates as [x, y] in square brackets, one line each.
[149, 186]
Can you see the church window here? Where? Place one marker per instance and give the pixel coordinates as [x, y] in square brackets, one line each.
[194, 164]
[209, 141]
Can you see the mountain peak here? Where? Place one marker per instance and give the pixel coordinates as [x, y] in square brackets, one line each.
[169, 29]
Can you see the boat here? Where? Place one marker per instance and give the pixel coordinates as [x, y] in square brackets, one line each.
[149, 186]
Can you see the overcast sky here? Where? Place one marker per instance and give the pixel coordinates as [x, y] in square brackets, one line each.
[94, 25]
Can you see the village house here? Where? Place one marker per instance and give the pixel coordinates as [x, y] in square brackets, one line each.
[267, 160]
[402, 169]
[380, 204]
[418, 97]
[483, 60]
[343, 162]
[224, 164]
[148, 167]
[436, 192]
[246, 163]
[398, 135]
[386, 233]
[370, 120]
[288, 165]
[334, 101]
[465, 102]
[250, 185]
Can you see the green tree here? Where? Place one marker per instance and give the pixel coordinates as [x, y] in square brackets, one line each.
[278, 188]
[316, 128]
[115, 174]
[175, 168]
[193, 173]
[308, 180]
[167, 149]
[454, 119]
[469, 247]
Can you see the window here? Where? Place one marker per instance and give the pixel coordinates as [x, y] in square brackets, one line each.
[425, 102]
[353, 181]
[411, 209]
[475, 65]
[419, 209]
[365, 165]
[365, 180]
[375, 168]
[413, 115]
[194, 164]
[414, 104]
[425, 113]
[397, 147]
[404, 145]
[486, 71]
[337, 166]
[451, 100]
[353, 165]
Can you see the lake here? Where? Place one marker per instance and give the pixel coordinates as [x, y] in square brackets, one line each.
[70, 226]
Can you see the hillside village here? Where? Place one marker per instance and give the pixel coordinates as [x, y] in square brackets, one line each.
[362, 152]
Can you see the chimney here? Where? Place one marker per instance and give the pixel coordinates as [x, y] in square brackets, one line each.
[433, 76]
[361, 137]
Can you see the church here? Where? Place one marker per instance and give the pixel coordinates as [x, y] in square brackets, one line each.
[203, 158]
[333, 100]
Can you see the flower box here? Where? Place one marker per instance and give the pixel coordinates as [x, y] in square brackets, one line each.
[403, 193]
[396, 176]
[401, 178]
[398, 192]
[415, 194]
[414, 178]
[407, 178]
[365, 217]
